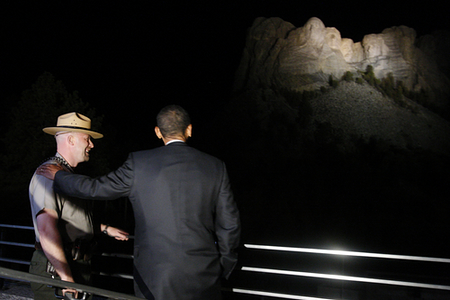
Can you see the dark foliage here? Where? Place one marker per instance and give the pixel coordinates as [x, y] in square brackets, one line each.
[332, 82]
[348, 76]
[26, 145]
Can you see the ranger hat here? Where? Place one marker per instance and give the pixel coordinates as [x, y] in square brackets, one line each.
[73, 122]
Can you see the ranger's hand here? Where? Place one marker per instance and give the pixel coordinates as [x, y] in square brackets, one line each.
[114, 232]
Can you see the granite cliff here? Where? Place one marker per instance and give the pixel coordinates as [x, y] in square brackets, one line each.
[280, 60]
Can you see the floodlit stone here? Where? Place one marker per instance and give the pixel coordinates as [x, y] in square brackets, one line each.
[280, 60]
[279, 54]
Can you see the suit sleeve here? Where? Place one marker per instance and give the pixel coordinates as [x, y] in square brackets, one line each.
[108, 187]
[228, 226]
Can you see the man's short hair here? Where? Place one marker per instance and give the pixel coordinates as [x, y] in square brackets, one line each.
[172, 121]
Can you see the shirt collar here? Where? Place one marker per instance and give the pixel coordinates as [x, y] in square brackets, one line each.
[60, 159]
[173, 141]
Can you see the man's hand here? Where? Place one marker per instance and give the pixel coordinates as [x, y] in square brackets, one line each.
[49, 170]
[70, 291]
[116, 233]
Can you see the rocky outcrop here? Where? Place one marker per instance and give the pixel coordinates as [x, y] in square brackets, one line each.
[277, 54]
[283, 61]
[360, 111]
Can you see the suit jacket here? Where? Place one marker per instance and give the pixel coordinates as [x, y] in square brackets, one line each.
[187, 222]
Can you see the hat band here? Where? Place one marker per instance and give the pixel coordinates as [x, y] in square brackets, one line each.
[74, 127]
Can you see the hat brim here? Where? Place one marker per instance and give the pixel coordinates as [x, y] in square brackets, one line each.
[54, 130]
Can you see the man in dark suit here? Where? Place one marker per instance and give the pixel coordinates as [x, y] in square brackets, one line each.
[187, 222]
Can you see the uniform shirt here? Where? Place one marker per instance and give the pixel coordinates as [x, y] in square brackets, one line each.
[75, 214]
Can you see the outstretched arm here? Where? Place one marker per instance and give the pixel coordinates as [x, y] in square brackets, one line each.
[113, 185]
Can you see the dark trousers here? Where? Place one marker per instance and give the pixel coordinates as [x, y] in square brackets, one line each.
[81, 272]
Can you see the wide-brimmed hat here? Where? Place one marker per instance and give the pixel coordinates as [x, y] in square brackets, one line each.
[73, 122]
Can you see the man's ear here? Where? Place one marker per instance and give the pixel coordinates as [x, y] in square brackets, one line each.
[158, 132]
[189, 130]
[71, 139]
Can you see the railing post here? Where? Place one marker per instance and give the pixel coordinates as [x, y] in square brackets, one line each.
[1, 239]
[2, 281]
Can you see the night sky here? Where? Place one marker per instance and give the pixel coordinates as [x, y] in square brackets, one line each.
[128, 59]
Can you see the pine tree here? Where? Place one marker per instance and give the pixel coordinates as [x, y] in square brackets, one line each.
[25, 144]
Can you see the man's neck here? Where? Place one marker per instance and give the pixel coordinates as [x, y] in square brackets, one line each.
[168, 140]
[174, 140]
[63, 161]
[68, 158]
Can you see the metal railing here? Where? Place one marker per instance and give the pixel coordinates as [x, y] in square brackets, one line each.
[295, 273]
[14, 274]
[5, 242]
[18, 244]
[263, 267]
[24, 276]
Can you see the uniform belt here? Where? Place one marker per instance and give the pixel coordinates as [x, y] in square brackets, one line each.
[81, 250]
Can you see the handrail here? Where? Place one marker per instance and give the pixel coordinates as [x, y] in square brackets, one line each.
[348, 278]
[16, 226]
[297, 273]
[15, 261]
[24, 276]
[25, 245]
[242, 290]
[17, 244]
[348, 253]
[276, 295]
[118, 255]
[12, 260]
[117, 275]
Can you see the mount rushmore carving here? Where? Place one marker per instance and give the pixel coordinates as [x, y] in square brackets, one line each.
[279, 54]
[280, 60]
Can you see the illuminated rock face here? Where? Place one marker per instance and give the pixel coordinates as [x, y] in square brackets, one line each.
[280, 59]
[277, 54]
